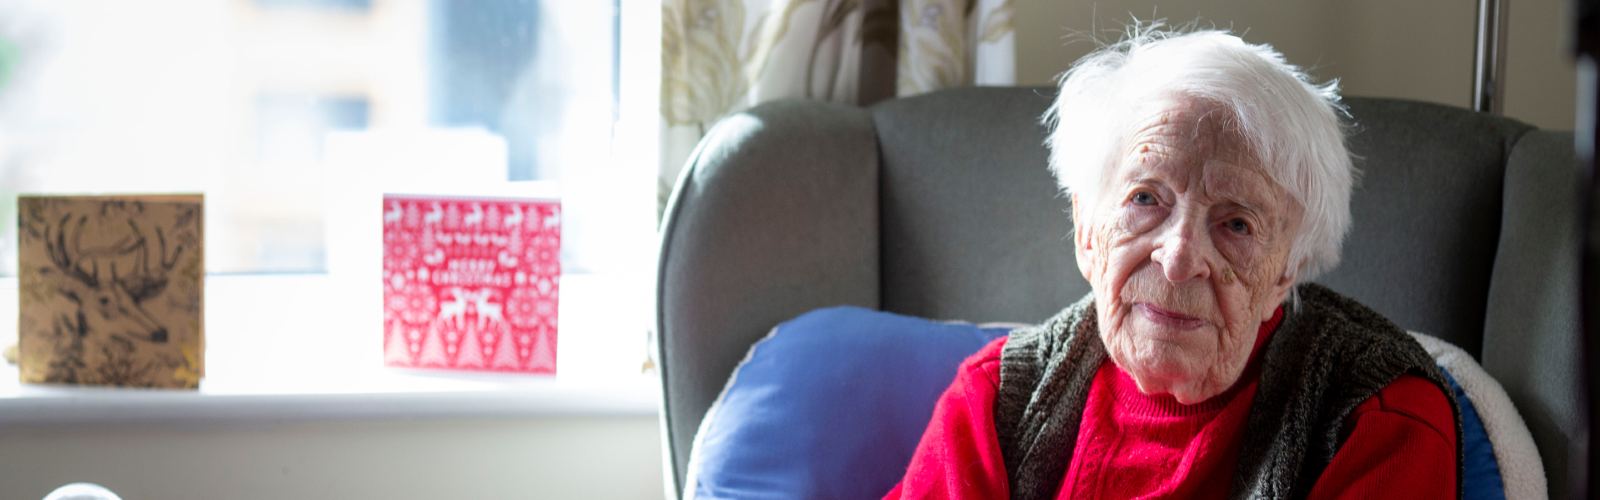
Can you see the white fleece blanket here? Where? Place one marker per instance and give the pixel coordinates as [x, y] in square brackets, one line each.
[1521, 470]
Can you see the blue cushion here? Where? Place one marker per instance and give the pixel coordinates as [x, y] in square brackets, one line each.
[831, 405]
[1480, 470]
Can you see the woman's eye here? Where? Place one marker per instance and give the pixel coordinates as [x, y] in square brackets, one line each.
[1238, 226]
[1143, 198]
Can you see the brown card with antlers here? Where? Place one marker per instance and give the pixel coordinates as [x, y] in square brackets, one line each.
[111, 290]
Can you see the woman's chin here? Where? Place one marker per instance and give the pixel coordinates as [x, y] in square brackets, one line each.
[1194, 396]
[1171, 377]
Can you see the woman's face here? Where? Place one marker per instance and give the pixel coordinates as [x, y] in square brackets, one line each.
[1186, 248]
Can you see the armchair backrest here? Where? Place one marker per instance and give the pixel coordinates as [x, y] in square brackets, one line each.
[941, 206]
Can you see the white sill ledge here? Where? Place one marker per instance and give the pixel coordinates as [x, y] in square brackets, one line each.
[324, 363]
[35, 405]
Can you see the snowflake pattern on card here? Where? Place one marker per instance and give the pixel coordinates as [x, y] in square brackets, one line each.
[471, 284]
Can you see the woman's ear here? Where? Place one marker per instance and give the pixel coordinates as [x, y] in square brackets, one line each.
[1082, 243]
[1078, 236]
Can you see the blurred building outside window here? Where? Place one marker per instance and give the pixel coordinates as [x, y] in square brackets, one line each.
[282, 110]
[293, 117]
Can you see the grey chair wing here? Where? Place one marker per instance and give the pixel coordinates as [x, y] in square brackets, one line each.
[776, 214]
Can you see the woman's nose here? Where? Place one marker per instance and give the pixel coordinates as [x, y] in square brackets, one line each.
[1181, 251]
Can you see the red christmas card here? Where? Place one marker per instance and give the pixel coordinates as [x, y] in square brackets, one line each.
[471, 283]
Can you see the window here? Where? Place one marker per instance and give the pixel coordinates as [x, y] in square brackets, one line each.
[293, 117]
[280, 110]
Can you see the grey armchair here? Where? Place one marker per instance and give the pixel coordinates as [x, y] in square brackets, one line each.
[941, 206]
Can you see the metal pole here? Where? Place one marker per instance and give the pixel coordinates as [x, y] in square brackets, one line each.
[1489, 62]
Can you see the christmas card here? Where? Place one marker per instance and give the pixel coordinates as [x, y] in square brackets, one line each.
[471, 283]
[111, 290]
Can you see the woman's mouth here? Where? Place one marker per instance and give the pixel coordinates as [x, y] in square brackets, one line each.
[1167, 317]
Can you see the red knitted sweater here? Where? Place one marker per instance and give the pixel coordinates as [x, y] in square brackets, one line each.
[1402, 441]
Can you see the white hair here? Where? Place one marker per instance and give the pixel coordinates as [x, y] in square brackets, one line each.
[1290, 126]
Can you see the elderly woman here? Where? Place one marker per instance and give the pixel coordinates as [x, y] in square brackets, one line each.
[1209, 182]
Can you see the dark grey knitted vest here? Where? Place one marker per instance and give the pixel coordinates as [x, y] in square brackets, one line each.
[1329, 355]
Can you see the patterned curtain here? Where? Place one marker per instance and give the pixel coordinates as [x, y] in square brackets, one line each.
[722, 56]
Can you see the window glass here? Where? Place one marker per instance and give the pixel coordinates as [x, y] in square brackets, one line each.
[274, 109]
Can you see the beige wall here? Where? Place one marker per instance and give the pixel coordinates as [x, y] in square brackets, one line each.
[1415, 49]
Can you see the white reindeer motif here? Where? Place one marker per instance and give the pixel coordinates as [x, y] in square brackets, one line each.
[456, 308]
[434, 215]
[514, 219]
[553, 220]
[475, 218]
[393, 214]
[488, 311]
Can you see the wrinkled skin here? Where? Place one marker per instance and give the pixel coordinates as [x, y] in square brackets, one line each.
[1186, 245]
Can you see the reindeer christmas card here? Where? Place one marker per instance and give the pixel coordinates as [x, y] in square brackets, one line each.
[111, 290]
[471, 283]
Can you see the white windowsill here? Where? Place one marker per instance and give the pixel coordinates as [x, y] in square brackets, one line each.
[298, 347]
